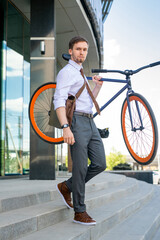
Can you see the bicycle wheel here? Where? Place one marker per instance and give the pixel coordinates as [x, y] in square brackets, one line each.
[39, 110]
[142, 142]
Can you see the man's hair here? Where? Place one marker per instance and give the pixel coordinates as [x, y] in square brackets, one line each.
[76, 40]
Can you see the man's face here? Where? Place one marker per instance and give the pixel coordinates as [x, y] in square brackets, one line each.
[79, 52]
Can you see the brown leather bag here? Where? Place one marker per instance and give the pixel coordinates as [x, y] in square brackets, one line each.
[71, 104]
[70, 107]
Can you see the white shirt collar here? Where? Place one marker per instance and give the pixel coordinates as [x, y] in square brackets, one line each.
[75, 65]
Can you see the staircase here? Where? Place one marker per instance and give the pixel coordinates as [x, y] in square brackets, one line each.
[124, 208]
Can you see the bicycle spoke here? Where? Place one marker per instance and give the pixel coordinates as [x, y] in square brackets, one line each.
[48, 101]
[135, 138]
[42, 106]
[140, 140]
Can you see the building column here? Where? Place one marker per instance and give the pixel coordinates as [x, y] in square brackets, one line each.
[42, 154]
[2, 38]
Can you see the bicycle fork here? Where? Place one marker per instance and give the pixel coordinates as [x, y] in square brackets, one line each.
[134, 129]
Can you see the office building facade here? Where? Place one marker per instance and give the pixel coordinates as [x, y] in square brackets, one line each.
[24, 26]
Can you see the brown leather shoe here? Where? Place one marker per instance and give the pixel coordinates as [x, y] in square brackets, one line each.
[83, 218]
[65, 194]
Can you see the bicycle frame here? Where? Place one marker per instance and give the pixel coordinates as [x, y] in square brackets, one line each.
[127, 86]
[127, 73]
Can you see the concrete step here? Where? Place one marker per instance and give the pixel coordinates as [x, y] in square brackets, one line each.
[142, 225]
[18, 222]
[21, 193]
[157, 234]
[99, 198]
[107, 217]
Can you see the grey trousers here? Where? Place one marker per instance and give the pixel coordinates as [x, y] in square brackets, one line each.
[88, 144]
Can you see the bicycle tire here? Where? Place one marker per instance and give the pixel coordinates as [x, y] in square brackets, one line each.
[39, 108]
[141, 144]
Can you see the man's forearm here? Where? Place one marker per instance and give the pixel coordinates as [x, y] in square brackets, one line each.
[98, 85]
[61, 114]
[96, 90]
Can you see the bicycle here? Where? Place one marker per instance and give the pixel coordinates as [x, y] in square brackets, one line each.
[138, 123]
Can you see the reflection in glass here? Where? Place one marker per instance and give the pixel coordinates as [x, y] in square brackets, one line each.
[26, 96]
[16, 94]
[2, 130]
[14, 107]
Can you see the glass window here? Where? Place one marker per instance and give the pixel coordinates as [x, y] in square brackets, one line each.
[2, 108]
[14, 92]
[14, 107]
[16, 95]
[26, 98]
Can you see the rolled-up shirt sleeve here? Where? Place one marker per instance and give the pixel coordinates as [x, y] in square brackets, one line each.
[63, 86]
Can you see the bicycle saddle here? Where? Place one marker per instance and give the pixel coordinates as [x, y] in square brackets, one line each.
[66, 56]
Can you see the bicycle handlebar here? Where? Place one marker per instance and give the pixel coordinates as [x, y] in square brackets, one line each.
[107, 71]
[154, 64]
[126, 72]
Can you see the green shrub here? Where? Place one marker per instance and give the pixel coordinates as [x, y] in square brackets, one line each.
[115, 158]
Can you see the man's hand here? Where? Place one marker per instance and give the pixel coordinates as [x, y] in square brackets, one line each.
[68, 136]
[96, 80]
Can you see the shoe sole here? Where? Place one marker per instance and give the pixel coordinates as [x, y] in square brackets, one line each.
[63, 197]
[83, 223]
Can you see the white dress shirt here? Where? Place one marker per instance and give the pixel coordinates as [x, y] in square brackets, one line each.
[69, 81]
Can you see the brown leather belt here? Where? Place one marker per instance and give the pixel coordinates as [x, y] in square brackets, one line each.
[89, 115]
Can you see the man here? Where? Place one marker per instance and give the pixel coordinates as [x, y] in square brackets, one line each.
[83, 136]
